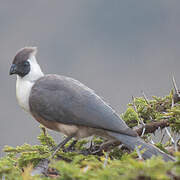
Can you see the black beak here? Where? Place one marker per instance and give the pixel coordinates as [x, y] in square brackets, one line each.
[13, 69]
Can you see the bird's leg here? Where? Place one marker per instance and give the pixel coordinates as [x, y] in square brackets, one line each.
[89, 147]
[42, 167]
[60, 145]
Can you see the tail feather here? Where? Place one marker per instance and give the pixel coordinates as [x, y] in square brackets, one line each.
[149, 149]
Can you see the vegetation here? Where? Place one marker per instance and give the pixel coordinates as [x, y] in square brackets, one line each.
[116, 162]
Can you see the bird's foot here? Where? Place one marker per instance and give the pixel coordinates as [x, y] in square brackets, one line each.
[93, 150]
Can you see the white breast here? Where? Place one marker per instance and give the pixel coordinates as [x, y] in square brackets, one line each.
[23, 90]
[24, 85]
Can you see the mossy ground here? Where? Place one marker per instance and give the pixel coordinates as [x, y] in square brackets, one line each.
[117, 163]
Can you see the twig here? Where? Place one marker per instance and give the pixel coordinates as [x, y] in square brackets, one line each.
[176, 145]
[144, 129]
[138, 153]
[169, 134]
[106, 160]
[163, 136]
[172, 102]
[90, 143]
[145, 98]
[175, 86]
[152, 141]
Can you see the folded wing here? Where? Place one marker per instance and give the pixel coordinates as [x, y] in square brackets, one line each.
[65, 100]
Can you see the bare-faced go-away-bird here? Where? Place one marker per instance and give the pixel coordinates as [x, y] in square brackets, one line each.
[66, 105]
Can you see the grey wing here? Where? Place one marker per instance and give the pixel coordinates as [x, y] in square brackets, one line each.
[65, 100]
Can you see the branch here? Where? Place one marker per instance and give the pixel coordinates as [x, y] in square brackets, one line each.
[152, 127]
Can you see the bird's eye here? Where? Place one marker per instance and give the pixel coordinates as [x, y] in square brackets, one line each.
[26, 63]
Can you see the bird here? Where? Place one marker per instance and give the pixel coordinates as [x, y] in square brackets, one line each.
[65, 105]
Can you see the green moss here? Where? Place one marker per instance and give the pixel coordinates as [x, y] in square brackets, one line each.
[130, 117]
[154, 110]
[175, 118]
[120, 165]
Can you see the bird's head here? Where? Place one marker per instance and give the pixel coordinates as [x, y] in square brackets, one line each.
[25, 65]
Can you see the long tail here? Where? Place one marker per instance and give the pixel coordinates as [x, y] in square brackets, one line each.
[149, 150]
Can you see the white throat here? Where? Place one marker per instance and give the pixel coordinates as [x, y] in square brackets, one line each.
[24, 85]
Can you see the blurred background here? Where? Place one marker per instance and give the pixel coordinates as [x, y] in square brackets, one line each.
[118, 48]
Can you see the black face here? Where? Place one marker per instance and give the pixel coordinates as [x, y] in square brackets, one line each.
[20, 64]
[22, 68]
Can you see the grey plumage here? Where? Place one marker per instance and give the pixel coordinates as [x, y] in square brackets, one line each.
[65, 100]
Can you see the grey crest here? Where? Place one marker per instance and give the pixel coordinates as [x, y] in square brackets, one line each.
[24, 54]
